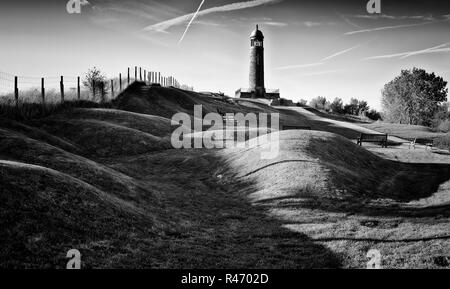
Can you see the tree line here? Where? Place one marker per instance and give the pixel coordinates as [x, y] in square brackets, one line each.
[355, 107]
[415, 97]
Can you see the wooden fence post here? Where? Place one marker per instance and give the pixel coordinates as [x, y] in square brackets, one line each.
[43, 91]
[93, 89]
[120, 82]
[61, 85]
[78, 88]
[16, 90]
[112, 89]
[140, 73]
[128, 76]
[135, 73]
[102, 91]
[145, 76]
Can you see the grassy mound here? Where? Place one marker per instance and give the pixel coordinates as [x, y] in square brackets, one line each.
[44, 213]
[20, 148]
[321, 165]
[151, 124]
[103, 139]
[167, 101]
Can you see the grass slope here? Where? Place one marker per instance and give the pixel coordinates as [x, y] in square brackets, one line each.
[106, 182]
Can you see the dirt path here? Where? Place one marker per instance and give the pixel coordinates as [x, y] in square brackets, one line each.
[343, 126]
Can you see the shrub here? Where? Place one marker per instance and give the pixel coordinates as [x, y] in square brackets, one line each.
[443, 126]
[441, 120]
[442, 142]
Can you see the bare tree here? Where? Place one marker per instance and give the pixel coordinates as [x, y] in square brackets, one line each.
[97, 83]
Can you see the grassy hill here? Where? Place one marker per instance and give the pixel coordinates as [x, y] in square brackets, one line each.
[106, 182]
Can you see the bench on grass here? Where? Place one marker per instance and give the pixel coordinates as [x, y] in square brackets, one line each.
[289, 127]
[428, 143]
[382, 139]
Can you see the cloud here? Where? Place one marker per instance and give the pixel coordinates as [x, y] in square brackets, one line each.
[311, 23]
[273, 23]
[403, 55]
[163, 26]
[121, 15]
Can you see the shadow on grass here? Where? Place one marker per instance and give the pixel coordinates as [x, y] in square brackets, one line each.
[380, 179]
[217, 227]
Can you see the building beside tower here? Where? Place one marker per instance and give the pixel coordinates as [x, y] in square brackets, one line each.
[256, 74]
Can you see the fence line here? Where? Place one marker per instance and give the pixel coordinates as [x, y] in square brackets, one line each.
[18, 90]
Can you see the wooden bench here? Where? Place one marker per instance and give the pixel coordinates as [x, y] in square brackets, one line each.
[382, 139]
[289, 127]
[428, 143]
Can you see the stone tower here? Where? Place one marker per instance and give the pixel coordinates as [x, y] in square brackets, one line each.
[257, 64]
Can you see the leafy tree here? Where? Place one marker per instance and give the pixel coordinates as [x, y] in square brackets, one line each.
[413, 97]
[441, 120]
[318, 103]
[373, 114]
[337, 106]
[363, 107]
[97, 83]
[352, 107]
[302, 102]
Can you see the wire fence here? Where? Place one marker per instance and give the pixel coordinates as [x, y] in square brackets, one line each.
[17, 91]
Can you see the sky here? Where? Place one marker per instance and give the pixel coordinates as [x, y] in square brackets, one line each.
[312, 48]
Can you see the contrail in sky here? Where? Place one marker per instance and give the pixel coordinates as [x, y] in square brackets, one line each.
[163, 26]
[190, 22]
[424, 51]
[390, 27]
[403, 55]
[341, 52]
